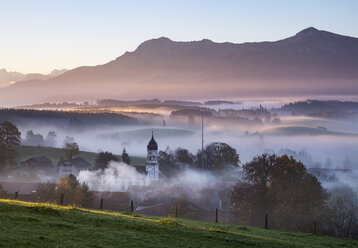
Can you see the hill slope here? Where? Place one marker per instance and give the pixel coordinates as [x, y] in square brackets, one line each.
[312, 61]
[40, 225]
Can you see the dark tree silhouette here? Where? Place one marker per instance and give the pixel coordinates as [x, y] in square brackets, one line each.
[34, 139]
[166, 162]
[103, 159]
[11, 135]
[282, 188]
[3, 192]
[125, 157]
[74, 193]
[341, 217]
[51, 139]
[70, 151]
[183, 156]
[217, 155]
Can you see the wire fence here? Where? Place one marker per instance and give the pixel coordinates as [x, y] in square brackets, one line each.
[126, 204]
[123, 203]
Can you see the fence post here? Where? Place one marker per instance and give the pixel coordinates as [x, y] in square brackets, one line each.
[16, 194]
[315, 228]
[101, 207]
[216, 216]
[176, 211]
[266, 221]
[61, 199]
[132, 207]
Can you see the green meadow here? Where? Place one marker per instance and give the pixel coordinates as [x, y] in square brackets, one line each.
[24, 224]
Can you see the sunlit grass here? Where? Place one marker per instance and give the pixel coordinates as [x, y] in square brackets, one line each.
[26, 224]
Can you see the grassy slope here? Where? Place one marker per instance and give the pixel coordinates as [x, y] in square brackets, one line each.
[26, 152]
[25, 224]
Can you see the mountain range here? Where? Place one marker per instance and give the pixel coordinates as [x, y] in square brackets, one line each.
[312, 62]
[11, 77]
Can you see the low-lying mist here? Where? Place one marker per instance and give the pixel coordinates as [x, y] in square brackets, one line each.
[317, 141]
[338, 147]
[119, 177]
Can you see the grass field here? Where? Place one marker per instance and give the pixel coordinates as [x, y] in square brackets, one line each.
[54, 154]
[24, 224]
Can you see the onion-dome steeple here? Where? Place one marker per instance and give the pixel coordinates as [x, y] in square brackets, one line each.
[152, 145]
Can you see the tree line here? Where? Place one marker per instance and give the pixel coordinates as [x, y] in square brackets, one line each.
[215, 156]
[278, 187]
[71, 118]
[10, 136]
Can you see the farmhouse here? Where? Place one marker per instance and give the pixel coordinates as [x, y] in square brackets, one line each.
[42, 163]
[73, 166]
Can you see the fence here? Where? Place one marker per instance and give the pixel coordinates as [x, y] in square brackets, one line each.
[122, 202]
[125, 204]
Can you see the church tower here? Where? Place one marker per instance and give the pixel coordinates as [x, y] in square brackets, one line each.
[152, 165]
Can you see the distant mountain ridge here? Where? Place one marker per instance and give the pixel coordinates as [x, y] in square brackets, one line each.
[312, 62]
[11, 77]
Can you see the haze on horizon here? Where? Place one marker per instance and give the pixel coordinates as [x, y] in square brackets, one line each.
[40, 36]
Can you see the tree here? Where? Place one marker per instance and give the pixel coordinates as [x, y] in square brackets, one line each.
[125, 157]
[299, 195]
[183, 156]
[11, 135]
[282, 188]
[34, 139]
[3, 193]
[47, 192]
[3, 150]
[166, 162]
[217, 155]
[70, 151]
[51, 139]
[342, 213]
[103, 159]
[74, 193]
[87, 196]
[251, 195]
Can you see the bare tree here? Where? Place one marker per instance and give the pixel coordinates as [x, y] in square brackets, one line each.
[342, 213]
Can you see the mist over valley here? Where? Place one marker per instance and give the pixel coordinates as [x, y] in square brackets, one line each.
[144, 141]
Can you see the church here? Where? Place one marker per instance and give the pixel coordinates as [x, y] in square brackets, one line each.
[152, 165]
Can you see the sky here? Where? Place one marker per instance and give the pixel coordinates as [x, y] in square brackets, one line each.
[41, 35]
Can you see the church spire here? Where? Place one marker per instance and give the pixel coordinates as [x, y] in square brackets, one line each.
[152, 145]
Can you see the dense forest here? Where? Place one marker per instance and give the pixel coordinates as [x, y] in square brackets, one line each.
[328, 109]
[19, 116]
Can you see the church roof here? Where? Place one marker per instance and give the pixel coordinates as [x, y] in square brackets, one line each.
[152, 145]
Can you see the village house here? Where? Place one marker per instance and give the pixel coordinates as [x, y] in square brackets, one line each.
[73, 166]
[40, 163]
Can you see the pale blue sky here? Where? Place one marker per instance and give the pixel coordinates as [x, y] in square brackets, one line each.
[41, 35]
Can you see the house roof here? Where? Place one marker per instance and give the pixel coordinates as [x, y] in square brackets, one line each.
[78, 162]
[38, 159]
